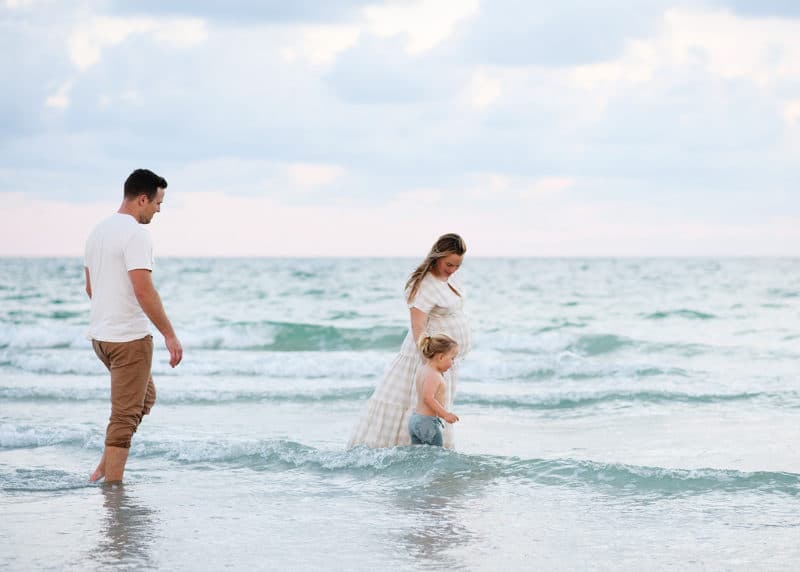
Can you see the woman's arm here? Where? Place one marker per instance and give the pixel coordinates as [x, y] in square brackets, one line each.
[419, 323]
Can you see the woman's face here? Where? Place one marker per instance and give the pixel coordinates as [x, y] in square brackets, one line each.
[447, 265]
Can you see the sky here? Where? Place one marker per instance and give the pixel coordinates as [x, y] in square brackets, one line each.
[368, 128]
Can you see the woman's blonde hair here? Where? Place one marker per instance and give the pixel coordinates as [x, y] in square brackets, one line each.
[435, 344]
[445, 245]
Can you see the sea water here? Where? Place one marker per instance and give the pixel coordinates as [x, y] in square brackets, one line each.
[616, 414]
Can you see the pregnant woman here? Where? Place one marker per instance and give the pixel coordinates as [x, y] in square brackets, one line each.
[436, 307]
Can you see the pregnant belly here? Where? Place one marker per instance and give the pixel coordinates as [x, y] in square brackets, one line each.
[456, 327]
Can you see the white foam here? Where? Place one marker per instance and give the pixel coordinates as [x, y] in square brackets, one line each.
[20, 436]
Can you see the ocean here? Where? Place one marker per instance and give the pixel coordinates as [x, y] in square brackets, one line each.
[616, 414]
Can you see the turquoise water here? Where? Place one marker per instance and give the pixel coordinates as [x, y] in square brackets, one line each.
[616, 415]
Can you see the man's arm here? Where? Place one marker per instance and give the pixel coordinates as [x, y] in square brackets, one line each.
[150, 302]
[88, 282]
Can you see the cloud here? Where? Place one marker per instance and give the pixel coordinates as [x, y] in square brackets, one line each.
[418, 197]
[500, 188]
[791, 112]
[60, 99]
[320, 45]
[377, 72]
[246, 12]
[516, 32]
[424, 23]
[506, 116]
[305, 175]
[90, 39]
[288, 182]
[674, 107]
[16, 4]
[391, 61]
[34, 65]
[761, 8]
[483, 89]
[548, 186]
[36, 227]
[215, 224]
[763, 51]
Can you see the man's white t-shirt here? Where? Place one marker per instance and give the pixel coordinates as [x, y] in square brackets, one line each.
[115, 246]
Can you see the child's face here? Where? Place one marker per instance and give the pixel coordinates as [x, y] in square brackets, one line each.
[445, 360]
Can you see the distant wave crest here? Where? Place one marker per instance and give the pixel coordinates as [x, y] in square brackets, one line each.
[265, 336]
[542, 402]
[682, 313]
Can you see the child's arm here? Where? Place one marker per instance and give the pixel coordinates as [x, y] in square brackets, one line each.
[430, 384]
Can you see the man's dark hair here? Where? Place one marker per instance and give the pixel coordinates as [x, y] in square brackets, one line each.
[143, 182]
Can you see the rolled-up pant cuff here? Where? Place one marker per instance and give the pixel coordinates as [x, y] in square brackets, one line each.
[133, 393]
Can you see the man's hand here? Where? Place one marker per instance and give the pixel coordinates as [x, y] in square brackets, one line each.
[175, 350]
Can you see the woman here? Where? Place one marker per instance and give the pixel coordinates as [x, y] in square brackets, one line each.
[436, 307]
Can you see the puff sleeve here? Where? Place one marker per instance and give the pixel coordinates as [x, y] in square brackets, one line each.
[426, 297]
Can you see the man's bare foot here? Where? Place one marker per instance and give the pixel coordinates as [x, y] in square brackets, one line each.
[100, 471]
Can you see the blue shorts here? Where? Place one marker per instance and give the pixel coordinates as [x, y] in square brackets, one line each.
[425, 430]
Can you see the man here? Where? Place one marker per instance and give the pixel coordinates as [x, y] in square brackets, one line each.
[118, 266]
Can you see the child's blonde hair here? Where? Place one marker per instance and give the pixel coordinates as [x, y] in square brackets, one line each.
[435, 344]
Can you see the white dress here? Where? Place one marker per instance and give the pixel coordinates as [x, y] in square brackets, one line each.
[385, 421]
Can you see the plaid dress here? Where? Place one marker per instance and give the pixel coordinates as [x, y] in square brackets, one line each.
[384, 423]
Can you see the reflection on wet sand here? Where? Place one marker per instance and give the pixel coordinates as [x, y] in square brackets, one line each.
[128, 529]
[437, 529]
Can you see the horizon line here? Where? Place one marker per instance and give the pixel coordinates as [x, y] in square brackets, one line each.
[404, 256]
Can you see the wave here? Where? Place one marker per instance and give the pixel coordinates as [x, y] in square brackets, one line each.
[30, 436]
[430, 463]
[682, 313]
[42, 480]
[631, 371]
[187, 396]
[213, 363]
[355, 393]
[42, 336]
[427, 466]
[638, 398]
[559, 347]
[343, 365]
[549, 341]
[243, 336]
[562, 325]
[783, 293]
[22, 297]
[272, 336]
[292, 337]
[599, 344]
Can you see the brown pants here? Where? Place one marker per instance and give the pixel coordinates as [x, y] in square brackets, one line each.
[132, 389]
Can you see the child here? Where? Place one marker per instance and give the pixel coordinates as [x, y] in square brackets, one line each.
[425, 424]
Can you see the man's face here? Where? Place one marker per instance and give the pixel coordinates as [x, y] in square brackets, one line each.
[148, 209]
